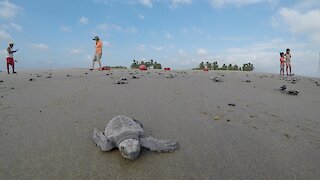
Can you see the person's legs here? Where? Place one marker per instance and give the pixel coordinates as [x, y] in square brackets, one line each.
[12, 65]
[287, 68]
[99, 59]
[93, 61]
[290, 68]
[8, 67]
[8, 63]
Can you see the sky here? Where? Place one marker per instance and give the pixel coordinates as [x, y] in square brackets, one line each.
[176, 33]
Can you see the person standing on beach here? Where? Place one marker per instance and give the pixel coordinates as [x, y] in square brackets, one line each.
[10, 60]
[98, 53]
[282, 63]
[288, 61]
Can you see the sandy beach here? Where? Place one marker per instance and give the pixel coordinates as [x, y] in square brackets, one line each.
[241, 128]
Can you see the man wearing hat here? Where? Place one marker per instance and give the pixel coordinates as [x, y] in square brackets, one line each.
[98, 53]
[10, 60]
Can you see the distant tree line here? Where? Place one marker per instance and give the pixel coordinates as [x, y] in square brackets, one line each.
[118, 67]
[230, 67]
[148, 64]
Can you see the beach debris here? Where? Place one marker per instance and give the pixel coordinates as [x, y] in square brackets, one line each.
[216, 118]
[127, 135]
[135, 77]
[122, 80]
[49, 77]
[292, 80]
[283, 89]
[31, 79]
[248, 81]
[286, 135]
[216, 79]
[231, 104]
[1, 81]
[169, 76]
[68, 75]
[292, 92]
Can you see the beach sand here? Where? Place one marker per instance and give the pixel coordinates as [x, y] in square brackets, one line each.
[46, 125]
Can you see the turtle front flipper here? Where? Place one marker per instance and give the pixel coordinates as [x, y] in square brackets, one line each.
[102, 141]
[159, 145]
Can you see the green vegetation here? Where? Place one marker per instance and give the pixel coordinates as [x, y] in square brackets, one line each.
[230, 67]
[148, 64]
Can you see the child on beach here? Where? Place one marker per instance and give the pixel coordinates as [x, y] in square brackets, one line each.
[281, 63]
[288, 61]
[10, 60]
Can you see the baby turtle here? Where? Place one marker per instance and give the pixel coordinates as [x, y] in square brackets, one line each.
[169, 76]
[127, 135]
[283, 87]
[216, 79]
[122, 80]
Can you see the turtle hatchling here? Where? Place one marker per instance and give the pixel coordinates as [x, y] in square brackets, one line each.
[127, 135]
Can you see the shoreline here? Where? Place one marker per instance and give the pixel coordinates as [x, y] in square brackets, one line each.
[241, 128]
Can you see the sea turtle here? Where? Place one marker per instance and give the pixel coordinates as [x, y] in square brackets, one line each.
[127, 134]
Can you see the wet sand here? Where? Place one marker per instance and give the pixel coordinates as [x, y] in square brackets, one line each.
[241, 128]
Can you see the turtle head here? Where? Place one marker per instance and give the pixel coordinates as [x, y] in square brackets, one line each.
[130, 148]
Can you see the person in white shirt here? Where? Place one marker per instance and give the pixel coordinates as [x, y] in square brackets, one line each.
[10, 60]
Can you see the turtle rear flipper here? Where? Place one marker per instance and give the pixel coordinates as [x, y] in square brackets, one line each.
[159, 145]
[102, 141]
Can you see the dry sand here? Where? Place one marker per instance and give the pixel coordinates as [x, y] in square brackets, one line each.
[46, 125]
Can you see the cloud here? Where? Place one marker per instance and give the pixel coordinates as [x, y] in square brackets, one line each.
[177, 3]
[265, 55]
[222, 3]
[147, 3]
[114, 27]
[140, 16]
[3, 53]
[4, 35]
[202, 52]
[157, 48]
[106, 43]
[84, 20]
[40, 46]
[16, 27]
[8, 10]
[167, 35]
[130, 30]
[181, 52]
[141, 48]
[65, 29]
[304, 23]
[77, 51]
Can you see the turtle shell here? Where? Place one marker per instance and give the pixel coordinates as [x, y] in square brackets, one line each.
[121, 128]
